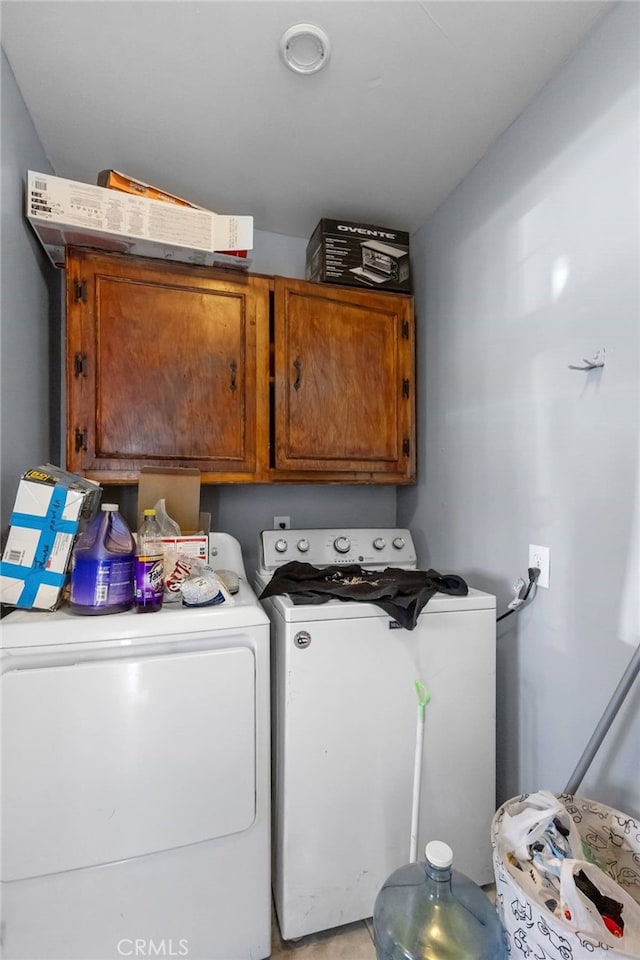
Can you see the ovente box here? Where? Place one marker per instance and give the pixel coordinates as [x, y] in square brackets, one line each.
[49, 509]
[359, 255]
[65, 212]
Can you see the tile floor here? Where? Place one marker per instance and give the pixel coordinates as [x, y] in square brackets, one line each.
[354, 941]
[351, 942]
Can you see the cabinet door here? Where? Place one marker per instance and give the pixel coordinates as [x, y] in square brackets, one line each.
[344, 383]
[166, 365]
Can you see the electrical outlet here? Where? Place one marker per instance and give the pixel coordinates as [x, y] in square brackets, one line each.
[281, 523]
[540, 557]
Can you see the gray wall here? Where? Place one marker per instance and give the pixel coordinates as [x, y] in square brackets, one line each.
[26, 315]
[530, 266]
[243, 510]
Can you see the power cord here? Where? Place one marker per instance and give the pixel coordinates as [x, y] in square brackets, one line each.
[516, 603]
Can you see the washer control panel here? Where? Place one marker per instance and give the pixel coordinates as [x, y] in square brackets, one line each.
[367, 546]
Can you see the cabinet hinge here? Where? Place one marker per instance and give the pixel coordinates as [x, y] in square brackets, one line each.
[406, 447]
[81, 439]
[80, 365]
[80, 291]
[405, 389]
[405, 329]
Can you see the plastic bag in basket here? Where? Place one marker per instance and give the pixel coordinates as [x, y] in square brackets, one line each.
[567, 875]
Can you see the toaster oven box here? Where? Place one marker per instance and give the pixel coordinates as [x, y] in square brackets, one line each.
[67, 212]
[50, 510]
[359, 255]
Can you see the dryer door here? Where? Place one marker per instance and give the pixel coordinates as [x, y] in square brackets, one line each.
[113, 759]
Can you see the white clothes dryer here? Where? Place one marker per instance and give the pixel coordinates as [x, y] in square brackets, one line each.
[135, 781]
[344, 713]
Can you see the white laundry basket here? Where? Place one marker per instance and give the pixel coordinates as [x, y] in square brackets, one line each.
[605, 845]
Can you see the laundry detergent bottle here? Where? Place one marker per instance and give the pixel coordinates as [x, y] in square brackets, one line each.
[102, 565]
[427, 911]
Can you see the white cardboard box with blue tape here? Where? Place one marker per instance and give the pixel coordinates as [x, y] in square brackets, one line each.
[50, 506]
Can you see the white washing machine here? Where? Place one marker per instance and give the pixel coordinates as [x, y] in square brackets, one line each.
[135, 781]
[345, 721]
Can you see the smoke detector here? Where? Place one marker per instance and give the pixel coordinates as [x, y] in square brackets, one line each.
[305, 48]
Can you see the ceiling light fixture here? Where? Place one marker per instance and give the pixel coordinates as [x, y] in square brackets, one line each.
[305, 48]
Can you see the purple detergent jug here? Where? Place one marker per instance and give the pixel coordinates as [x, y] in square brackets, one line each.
[102, 565]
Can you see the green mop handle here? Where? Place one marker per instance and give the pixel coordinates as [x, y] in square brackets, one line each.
[423, 695]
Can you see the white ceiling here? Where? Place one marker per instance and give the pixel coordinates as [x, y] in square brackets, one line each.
[194, 98]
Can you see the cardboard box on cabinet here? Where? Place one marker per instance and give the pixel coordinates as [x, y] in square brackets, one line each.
[114, 180]
[50, 509]
[69, 213]
[359, 255]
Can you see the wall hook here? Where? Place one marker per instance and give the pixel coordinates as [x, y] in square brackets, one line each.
[596, 361]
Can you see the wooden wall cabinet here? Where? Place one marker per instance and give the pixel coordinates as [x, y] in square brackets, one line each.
[247, 378]
[166, 366]
[344, 382]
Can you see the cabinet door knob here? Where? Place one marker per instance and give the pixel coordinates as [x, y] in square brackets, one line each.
[297, 363]
[234, 369]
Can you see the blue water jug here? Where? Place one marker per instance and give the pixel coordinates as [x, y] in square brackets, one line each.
[427, 911]
[102, 565]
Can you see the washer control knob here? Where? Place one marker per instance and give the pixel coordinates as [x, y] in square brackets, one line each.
[379, 544]
[303, 545]
[342, 544]
[302, 639]
[281, 546]
[398, 542]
